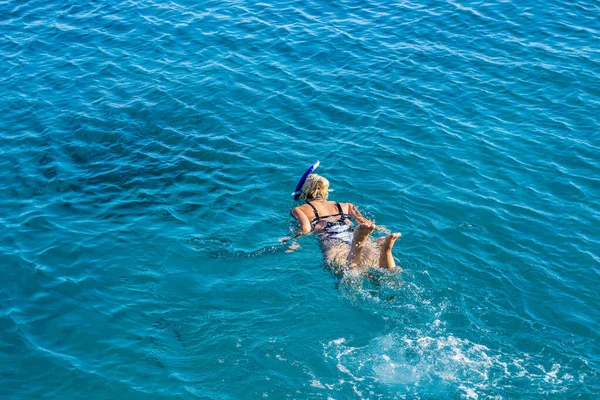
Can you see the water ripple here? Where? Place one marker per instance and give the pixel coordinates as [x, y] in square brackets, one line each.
[148, 153]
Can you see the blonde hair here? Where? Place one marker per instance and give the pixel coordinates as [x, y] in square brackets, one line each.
[315, 187]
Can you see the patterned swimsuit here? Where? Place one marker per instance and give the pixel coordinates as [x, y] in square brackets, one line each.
[339, 229]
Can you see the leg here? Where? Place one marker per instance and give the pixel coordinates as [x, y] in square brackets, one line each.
[335, 255]
[386, 260]
[361, 234]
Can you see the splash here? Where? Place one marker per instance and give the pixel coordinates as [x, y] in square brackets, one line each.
[417, 364]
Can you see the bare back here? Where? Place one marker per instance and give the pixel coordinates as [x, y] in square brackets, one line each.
[305, 214]
[324, 209]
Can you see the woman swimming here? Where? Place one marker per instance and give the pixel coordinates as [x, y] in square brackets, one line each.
[343, 245]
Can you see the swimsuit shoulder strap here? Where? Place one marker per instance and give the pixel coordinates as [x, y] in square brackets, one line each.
[314, 209]
[343, 215]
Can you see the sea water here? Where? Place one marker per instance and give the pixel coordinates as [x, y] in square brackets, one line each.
[148, 150]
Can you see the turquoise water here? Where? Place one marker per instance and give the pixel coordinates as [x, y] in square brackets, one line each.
[147, 156]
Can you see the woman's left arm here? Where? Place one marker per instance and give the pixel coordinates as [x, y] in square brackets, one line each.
[357, 215]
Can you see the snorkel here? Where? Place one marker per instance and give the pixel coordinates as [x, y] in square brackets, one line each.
[298, 190]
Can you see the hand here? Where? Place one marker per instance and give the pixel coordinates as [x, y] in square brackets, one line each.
[285, 239]
[295, 246]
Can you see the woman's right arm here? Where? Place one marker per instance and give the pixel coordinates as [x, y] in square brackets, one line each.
[304, 229]
[302, 220]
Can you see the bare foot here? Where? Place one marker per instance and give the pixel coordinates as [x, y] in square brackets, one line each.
[386, 260]
[387, 242]
[361, 234]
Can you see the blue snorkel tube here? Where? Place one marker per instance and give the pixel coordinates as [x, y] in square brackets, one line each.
[298, 190]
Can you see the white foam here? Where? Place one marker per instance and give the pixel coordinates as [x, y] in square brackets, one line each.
[416, 361]
[317, 384]
[469, 393]
[339, 341]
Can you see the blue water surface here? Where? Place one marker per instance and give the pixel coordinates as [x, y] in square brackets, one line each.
[148, 150]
